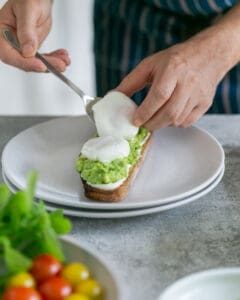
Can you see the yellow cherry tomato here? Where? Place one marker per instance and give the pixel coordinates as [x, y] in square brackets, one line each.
[76, 296]
[91, 288]
[21, 280]
[74, 273]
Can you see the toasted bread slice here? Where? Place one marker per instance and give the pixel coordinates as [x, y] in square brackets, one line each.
[121, 192]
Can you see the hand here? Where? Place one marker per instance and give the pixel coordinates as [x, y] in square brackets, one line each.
[183, 81]
[31, 19]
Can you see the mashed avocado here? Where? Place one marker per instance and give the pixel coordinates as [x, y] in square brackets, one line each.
[96, 172]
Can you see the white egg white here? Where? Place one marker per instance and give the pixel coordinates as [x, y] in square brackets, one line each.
[106, 148]
[108, 186]
[113, 116]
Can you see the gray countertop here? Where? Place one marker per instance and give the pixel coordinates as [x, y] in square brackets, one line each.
[151, 252]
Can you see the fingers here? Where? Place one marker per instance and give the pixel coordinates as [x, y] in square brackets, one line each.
[160, 92]
[60, 59]
[137, 79]
[179, 94]
[43, 31]
[170, 113]
[195, 115]
[57, 62]
[61, 54]
[190, 106]
[32, 64]
[27, 17]
[12, 57]
[169, 116]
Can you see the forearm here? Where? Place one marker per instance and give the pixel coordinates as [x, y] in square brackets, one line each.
[220, 43]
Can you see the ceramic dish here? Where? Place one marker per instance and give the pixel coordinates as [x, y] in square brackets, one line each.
[180, 163]
[76, 212]
[98, 268]
[218, 284]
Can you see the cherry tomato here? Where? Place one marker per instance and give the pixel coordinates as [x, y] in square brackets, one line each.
[45, 266]
[75, 273]
[22, 279]
[76, 296]
[21, 293]
[91, 288]
[55, 288]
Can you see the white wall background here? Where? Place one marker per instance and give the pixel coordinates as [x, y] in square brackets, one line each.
[43, 94]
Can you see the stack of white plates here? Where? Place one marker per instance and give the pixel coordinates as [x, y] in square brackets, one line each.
[182, 165]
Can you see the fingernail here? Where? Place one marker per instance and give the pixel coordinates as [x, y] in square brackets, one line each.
[28, 50]
[40, 68]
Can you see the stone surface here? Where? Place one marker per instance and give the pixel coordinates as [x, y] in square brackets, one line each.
[151, 252]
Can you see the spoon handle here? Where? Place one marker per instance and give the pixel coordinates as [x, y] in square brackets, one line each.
[11, 38]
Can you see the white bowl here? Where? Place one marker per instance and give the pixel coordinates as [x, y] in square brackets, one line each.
[217, 284]
[76, 253]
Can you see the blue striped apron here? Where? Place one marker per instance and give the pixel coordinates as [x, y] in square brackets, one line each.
[126, 31]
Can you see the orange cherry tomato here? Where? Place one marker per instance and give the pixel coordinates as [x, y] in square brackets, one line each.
[21, 293]
[44, 267]
[55, 288]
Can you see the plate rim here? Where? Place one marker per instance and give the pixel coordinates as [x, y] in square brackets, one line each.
[117, 206]
[106, 264]
[8, 182]
[199, 275]
[141, 211]
[154, 209]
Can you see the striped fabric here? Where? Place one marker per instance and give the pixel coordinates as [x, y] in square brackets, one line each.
[126, 31]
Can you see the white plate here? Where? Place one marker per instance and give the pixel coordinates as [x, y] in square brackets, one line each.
[47, 197]
[96, 265]
[99, 214]
[180, 163]
[218, 284]
[60, 200]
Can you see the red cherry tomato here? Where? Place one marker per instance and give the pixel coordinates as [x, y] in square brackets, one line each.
[55, 288]
[45, 266]
[21, 293]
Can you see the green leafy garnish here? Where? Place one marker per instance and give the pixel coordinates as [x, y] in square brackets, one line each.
[27, 229]
[4, 198]
[14, 260]
[60, 224]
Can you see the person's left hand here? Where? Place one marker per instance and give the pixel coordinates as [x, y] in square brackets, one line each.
[183, 82]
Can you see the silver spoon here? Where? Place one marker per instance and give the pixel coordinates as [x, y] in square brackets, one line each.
[88, 101]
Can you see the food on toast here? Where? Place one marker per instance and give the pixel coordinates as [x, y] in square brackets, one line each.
[109, 162]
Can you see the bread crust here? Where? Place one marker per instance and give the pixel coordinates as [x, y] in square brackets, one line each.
[121, 192]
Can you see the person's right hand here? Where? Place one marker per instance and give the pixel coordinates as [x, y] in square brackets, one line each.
[31, 20]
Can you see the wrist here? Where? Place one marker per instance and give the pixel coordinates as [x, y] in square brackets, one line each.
[222, 40]
[216, 47]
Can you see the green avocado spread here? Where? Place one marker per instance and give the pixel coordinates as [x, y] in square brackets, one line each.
[96, 172]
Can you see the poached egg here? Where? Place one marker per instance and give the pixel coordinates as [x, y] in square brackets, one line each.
[113, 116]
[106, 148]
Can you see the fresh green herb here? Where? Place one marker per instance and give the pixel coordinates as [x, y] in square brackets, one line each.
[4, 198]
[14, 260]
[59, 223]
[27, 229]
